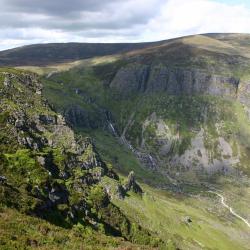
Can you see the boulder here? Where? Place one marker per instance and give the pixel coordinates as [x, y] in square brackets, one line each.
[187, 220]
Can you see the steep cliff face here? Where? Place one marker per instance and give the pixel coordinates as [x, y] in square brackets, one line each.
[244, 96]
[191, 139]
[81, 118]
[139, 78]
[204, 149]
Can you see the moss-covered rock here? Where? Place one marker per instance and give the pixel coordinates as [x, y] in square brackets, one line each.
[48, 171]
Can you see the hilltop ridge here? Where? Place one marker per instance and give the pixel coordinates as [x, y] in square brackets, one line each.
[52, 53]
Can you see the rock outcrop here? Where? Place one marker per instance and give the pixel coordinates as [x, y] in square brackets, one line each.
[131, 184]
[140, 78]
[78, 117]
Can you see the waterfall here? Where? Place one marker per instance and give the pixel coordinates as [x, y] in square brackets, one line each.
[112, 129]
[141, 156]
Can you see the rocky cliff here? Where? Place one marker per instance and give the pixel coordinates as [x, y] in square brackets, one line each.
[47, 170]
[141, 78]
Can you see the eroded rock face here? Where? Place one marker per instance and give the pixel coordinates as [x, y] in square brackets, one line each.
[77, 116]
[7, 80]
[204, 155]
[174, 81]
[219, 158]
[58, 194]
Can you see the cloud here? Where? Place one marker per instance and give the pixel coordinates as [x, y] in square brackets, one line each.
[76, 15]
[56, 7]
[198, 16]
[25, 21]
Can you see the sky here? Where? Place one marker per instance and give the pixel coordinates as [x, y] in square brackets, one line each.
[25, 22]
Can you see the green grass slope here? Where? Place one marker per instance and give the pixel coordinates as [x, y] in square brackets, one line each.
[211, 226]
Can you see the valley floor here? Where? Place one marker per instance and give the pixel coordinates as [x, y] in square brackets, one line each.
[197, 221]
[230, 208]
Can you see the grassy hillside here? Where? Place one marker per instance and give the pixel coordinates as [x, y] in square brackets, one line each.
[177, 114]
[20, 231]
[210, 225]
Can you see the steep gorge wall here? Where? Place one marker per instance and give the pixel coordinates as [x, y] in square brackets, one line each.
[139, 78]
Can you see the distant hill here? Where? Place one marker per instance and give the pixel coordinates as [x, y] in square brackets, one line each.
[172, 49]
[44, 54]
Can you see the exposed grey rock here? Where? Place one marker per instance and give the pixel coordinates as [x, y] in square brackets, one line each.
[90, 159]
[35, 126]
[41, 160]
[120, 192]
[187, 220]
[98, 173]
[77, 116]
[3, 179]
[64, 175]
[174, 81]
[146, 159]
[197, 156]
[114, 189]
[7, 81]
[20, 123]
[47, 119]
[131, 184]
[29, 141]
[58, 194]
[244, 96]
[38, 92]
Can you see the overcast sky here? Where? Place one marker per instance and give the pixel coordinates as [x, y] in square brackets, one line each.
[41, 21]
